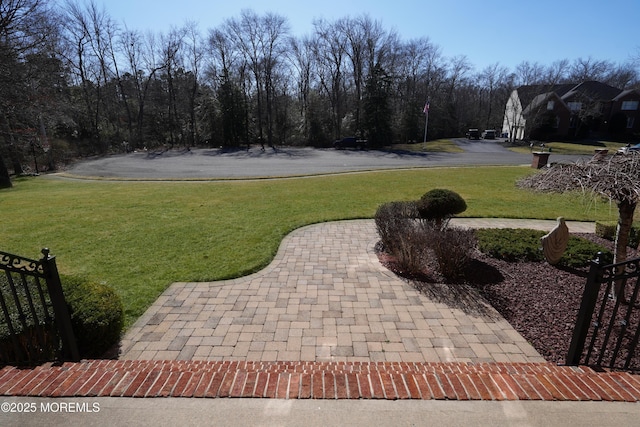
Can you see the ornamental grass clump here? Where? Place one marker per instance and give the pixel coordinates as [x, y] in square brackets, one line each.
[401, 235]
[416, 232]
[453, 248]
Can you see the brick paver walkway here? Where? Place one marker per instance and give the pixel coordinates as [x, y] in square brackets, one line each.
[325, 297]
[325, 320]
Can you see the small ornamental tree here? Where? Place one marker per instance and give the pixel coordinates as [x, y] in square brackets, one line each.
[439, 205]
[616, 178]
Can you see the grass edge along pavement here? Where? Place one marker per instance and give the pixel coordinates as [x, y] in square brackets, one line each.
[140, 237]
[571, 148]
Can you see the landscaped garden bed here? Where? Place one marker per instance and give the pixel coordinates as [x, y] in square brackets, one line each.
[539, 300]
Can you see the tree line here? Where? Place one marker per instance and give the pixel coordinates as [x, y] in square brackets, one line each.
[75, 82]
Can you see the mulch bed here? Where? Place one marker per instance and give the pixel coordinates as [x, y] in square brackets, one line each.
[539, 300]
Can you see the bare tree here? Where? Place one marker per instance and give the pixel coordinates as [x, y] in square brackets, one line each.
[140, 55]
[458, 70]
[368, 45]
[623, 76]
[301, 58]
[585, 69]
[421, 69]
[557, 72]
[495, 81]
[275, 29]
[171, 46]
[616, 178]
[87, 40]
[228, 73]
[261, 40]
[194, 55]
[330, 50]
[27, 29]
[529, 73]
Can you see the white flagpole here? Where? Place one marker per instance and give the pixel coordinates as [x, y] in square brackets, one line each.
[426, 123]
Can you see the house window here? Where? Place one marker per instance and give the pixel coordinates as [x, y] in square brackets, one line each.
[550, 105]
[630, 121]
[574, 106]
[629, 105]
[556, 124]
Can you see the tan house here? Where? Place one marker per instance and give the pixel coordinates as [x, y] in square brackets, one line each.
[572, 111]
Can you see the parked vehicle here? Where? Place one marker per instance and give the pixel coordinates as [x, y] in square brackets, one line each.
[473, 134]
[628, 148]
[489, 134]
[350, 142]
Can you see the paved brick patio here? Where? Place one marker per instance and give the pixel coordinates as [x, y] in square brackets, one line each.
[325, 321]
[325, 297]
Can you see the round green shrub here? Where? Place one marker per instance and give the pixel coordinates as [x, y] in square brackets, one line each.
[97, 315]
[439, 204]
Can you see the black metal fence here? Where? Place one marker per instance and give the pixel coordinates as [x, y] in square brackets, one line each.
[35, 325]
[608, 324]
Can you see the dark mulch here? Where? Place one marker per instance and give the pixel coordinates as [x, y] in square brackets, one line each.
[539, 300]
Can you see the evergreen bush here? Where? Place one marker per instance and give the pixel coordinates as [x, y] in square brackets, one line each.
[607, 230]
[97, 315]
[524, 245]
[439, 204]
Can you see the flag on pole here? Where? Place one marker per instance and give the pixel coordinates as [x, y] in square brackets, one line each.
[425, 110]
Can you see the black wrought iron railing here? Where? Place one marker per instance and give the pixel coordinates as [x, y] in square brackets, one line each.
[35, 325]
[607, 328]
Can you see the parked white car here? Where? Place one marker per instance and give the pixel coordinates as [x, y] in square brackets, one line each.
[626, 149]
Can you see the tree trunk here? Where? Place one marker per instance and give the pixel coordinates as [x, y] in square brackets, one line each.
[626, 210]
[5, 179]
[10, 145]
[625, 221]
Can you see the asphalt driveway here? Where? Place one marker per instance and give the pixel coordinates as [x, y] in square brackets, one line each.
[287, 161]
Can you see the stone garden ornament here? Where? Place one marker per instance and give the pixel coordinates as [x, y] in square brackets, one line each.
[555, 242]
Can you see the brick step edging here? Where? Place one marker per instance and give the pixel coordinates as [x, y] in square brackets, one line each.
[321, 380]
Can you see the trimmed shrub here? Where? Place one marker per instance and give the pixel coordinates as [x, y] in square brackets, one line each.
[580, 251]
[97, 315]
[440, 204]
[510, 244]
[524, 245]
[607, 230]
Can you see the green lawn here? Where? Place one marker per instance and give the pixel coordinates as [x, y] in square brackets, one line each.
[438, 145]
[570, 148]
[139, 237]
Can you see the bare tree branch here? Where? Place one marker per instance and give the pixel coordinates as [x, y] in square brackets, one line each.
[616, 178]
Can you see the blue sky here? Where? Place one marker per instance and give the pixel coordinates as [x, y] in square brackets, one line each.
[487, 31]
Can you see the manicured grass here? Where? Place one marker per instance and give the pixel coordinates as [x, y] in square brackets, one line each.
[569, 148]
[438, 145]
[139, 237]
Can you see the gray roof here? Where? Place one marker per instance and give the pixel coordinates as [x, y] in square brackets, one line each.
[591, 89]
[595, 91]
